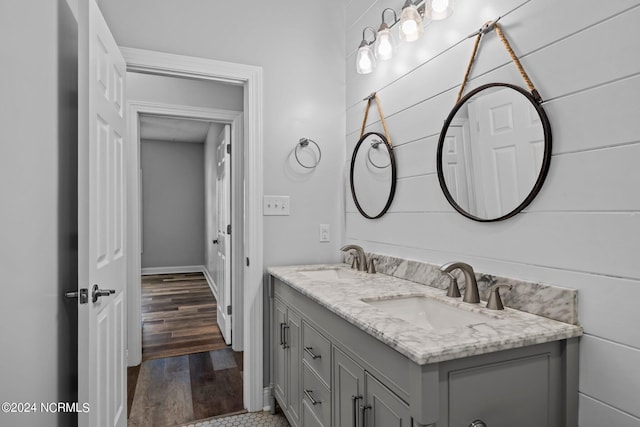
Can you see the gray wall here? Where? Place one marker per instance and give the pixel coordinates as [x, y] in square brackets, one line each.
[582, 230]
[173, 229]
[38, 213]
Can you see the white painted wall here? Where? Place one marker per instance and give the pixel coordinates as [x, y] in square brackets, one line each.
[582, 230]
[173, 204]
[300, 45]
[38, 208]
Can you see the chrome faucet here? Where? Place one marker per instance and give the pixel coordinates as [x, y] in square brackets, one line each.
[471, 286]
[360, 261]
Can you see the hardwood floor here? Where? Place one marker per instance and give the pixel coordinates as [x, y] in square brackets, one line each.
[188, 373]
[183, 389]
[178, 316]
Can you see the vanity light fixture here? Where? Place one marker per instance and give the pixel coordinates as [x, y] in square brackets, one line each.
[411, 25]
[438, 10]
[365, 60]
[385, 43]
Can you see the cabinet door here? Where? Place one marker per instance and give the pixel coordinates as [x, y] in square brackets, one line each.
[505, 394]
[348, 390]
[293, 342]
[383, 407]
[279, 352]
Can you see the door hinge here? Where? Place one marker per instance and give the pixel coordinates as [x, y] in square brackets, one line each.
[229, 229]
[228, 148]
[229, 310]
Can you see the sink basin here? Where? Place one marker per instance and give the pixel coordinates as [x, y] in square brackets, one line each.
[330, 275]
[428, 313]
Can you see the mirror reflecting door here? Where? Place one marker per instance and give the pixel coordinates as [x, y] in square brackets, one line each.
[494, 152]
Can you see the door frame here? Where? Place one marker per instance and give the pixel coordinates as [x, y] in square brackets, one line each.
[250, 250]
[134, 110]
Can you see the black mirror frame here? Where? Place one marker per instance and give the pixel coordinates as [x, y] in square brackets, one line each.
[546, 159]
[392, 159]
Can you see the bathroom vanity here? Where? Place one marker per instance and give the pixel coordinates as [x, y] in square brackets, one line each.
[350, 349]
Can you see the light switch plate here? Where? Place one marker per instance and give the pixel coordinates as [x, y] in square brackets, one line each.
[325, 235]
[275, 205]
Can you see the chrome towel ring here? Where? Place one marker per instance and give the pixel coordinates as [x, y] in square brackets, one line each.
[304, 143]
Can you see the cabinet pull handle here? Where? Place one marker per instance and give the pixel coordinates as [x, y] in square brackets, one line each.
[285, 343]
[354, 409]
[363, 409]
[310, 397]
[309, 351]
[282, 334]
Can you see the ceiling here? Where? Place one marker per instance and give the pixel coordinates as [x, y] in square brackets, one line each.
[158, 128]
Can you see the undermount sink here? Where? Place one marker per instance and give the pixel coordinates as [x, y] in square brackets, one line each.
[428, 313]
[330, 275]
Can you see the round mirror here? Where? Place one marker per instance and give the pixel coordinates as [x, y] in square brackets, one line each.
[373, 175]
[494, 152]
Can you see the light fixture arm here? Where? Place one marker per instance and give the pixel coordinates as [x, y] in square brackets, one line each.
[364, 37]
[395, 18]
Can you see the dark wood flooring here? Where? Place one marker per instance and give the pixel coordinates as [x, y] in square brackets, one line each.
[188, 373]
[178, 316]
[178, 390]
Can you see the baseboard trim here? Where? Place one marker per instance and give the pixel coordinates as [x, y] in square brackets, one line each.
[211, 282]
[172, 270]
[266, 399]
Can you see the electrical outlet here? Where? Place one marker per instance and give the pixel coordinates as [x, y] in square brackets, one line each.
[325, 236]
[275, 205]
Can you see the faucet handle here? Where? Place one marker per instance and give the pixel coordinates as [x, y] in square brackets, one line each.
[454, 290]
[495, 302]
[354, 262]
[372, 266]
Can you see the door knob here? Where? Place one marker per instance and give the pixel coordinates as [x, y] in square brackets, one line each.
[97, 293]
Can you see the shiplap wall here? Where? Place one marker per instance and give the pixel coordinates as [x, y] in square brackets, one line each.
[583, 229]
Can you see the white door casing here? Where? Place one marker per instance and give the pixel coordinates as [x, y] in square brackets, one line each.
[249, 296]
[101, 221]
[457, 171]
[223, 206]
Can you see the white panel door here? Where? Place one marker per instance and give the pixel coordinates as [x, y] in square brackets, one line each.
[101, 222]
[508, 146]
[223, 203]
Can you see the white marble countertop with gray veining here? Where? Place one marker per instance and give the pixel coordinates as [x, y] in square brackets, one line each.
[503, 329]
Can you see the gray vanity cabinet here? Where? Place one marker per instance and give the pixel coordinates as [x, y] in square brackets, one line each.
[382, 408]
[326, 372]
[287, 359]
[348, 390]
[359, 399]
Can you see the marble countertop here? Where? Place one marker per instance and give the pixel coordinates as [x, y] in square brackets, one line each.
[504, 329]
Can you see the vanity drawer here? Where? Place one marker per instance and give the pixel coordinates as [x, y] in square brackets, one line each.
[317, 352]
[316, 396]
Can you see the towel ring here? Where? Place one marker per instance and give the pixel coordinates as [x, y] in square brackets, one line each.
[375, 144]
[304, 142]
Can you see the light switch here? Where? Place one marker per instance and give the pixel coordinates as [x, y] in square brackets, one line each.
[275, 205]
[325, 236]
